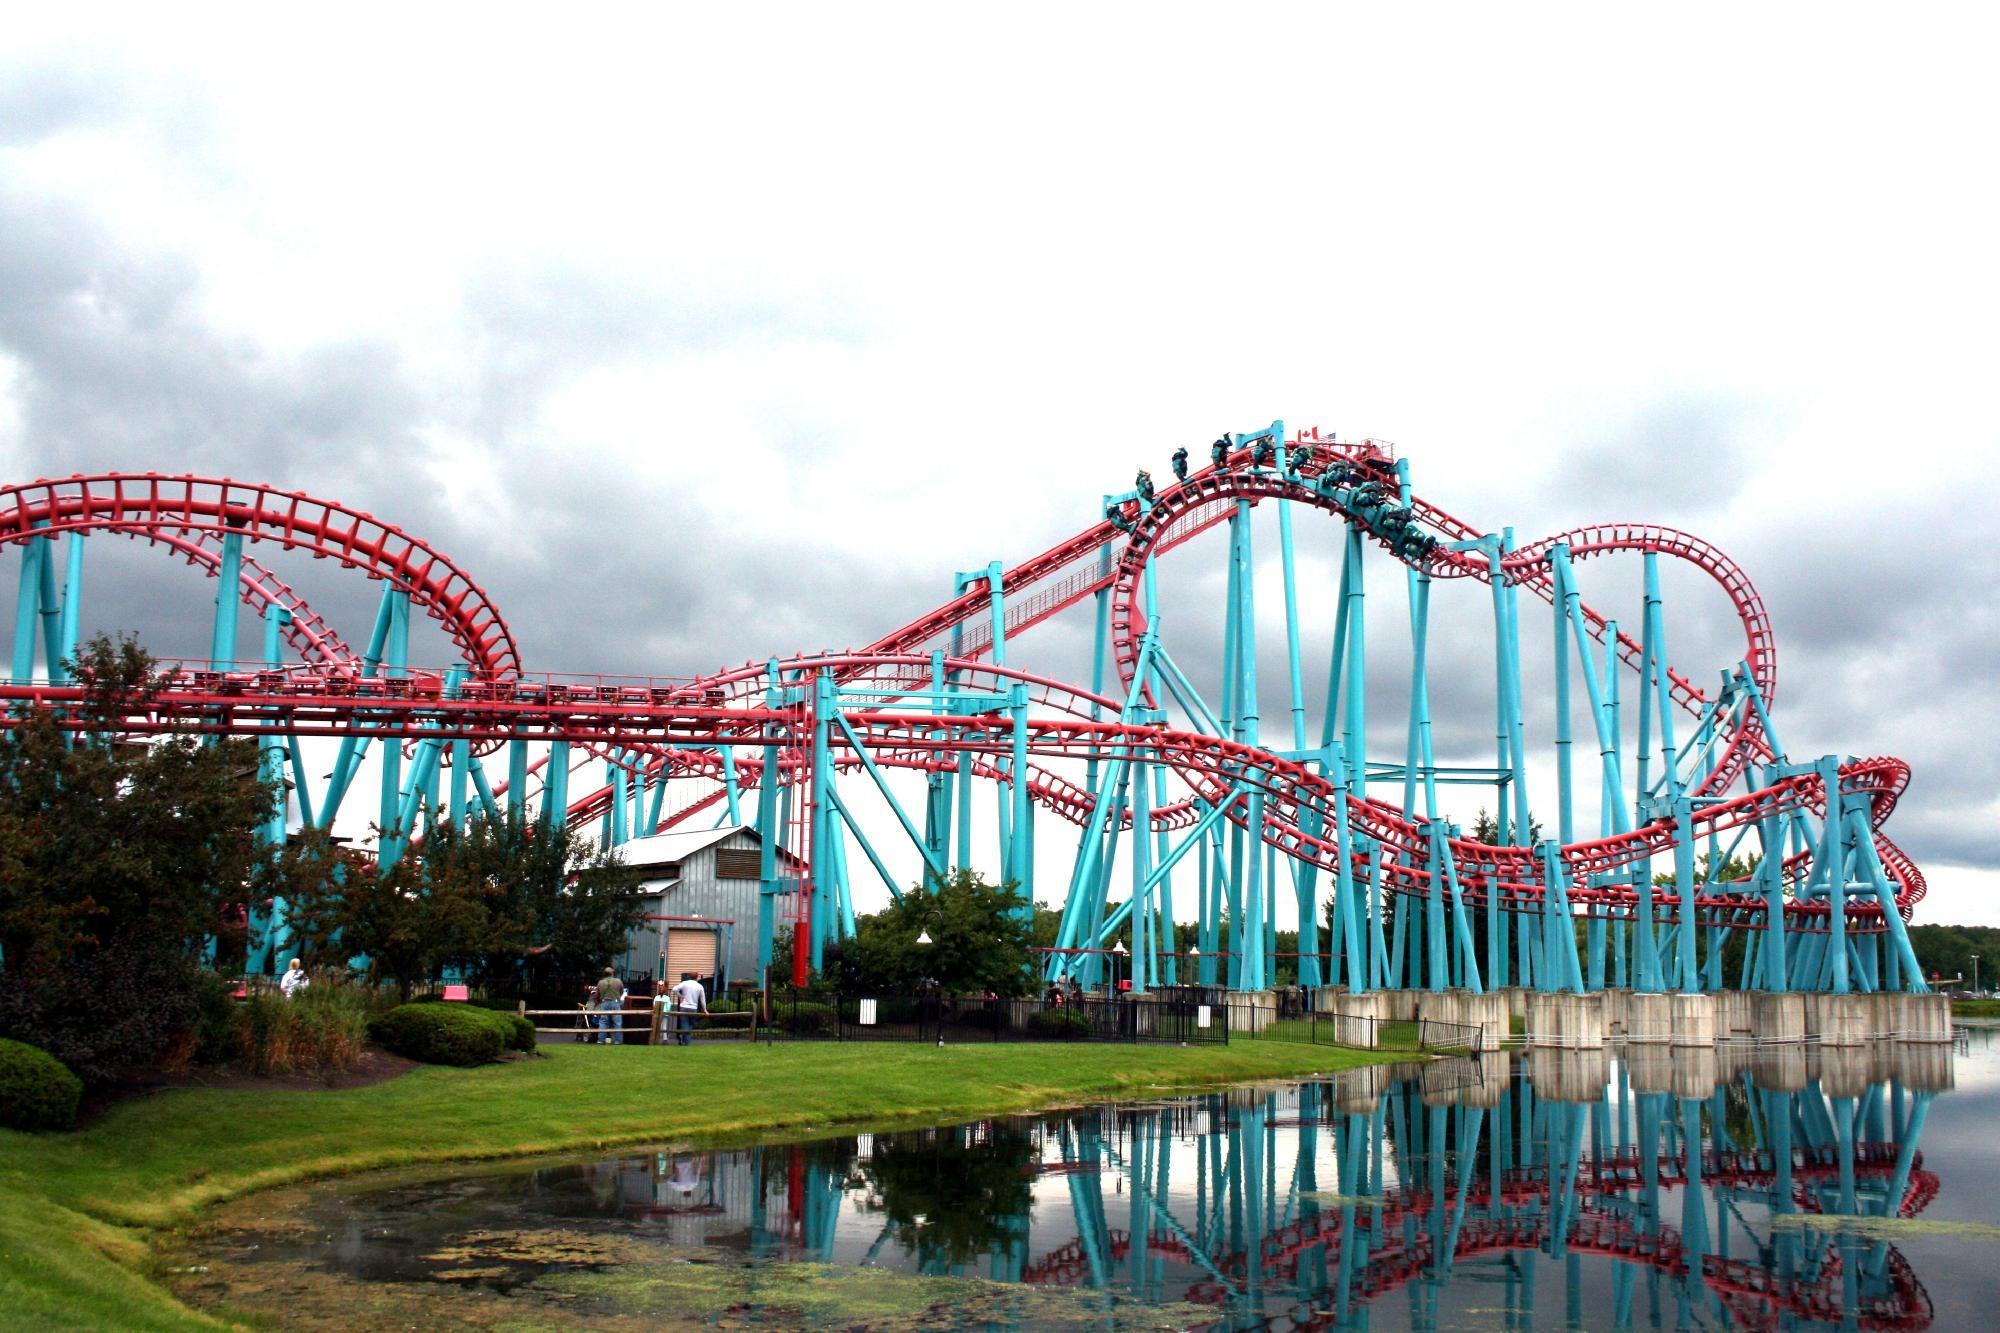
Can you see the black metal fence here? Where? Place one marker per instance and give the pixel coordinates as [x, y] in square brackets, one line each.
[1176, 1017]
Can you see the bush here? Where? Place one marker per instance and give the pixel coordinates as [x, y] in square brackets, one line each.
[36, 1090]
[129, 1009]
[522, 1035]
[440, 1034]
[975, 1014]
[214, 1039]
[1065, 1023]
[516, 1033]
[806, 1017]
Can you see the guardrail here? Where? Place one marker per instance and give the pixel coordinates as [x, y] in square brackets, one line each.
[649, 1026]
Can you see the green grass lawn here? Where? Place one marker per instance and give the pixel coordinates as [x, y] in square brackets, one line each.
[1975, 1008]
[79, 1212]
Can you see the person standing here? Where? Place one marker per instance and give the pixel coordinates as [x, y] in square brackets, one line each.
[689, 999]
[294, 980]
[610, 1002]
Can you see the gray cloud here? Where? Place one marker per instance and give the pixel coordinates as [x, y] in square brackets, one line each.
[1884, 645]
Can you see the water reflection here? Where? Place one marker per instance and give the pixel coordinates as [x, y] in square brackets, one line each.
[1570, 1189]
[1661, 1190]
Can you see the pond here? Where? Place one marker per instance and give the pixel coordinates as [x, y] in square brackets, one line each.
[1787, 1189]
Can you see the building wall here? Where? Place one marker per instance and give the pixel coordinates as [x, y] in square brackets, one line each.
[701, 893]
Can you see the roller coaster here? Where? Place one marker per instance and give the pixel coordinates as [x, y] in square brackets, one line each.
[1706, 830]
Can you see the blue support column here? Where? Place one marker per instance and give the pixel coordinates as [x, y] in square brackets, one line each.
[228, 575]
[1021, 867]
[768, 883]
[1558, 970]
[1565, 809]
[266, 942]
[72, 603]
[825, 885]
[1831, 870]
[27, 605]
[390, 836]
[1685, 885]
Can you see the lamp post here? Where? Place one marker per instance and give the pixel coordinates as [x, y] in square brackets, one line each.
[1117, 957]
[926, 998]
[1975, 974]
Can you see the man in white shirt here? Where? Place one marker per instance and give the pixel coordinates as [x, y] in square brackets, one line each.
[689, 999]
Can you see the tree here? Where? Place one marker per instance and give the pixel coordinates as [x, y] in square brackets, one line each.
[1946, 952]
[121, 865]
[410, 923]
[567, 905]
[978, 940]
[1734, 868]
[518, 907]
[1486, 829]
[952, 1195]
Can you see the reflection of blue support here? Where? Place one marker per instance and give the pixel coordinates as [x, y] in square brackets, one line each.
[1086, 1200]
[821, 1223]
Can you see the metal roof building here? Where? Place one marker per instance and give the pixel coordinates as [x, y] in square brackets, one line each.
[701, 889]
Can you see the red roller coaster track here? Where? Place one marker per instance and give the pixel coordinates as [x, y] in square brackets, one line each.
[667, 728]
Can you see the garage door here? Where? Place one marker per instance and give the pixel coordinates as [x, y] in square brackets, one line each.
[688, 951]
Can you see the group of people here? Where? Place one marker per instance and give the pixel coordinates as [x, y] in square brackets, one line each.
[678, 1006]
[1060, 994]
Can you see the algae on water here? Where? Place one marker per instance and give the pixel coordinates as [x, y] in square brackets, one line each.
[1884, 1228]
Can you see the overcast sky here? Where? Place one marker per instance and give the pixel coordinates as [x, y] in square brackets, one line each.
[708, 339]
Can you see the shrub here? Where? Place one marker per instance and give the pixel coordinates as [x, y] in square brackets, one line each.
[516, 1033]
[1064, 1023]
[214, 1038]
[805, 1017]
[36, 1090]
[129, 1009]
[975, 1014]
[439, 1034]
[522, 1034]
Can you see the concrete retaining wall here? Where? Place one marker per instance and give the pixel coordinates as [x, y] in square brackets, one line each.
[1565, 1021]
[1693, 1019]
